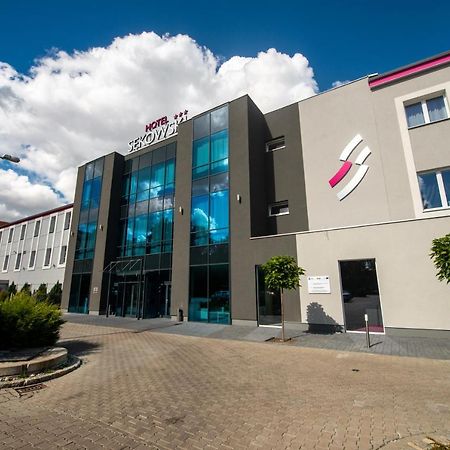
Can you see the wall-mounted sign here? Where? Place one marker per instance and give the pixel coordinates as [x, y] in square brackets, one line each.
[158, 130]
[319, 285]
[342, 172]
[95, 290]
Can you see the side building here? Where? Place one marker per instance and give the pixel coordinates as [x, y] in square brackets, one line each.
[33, 250]
[354, 183]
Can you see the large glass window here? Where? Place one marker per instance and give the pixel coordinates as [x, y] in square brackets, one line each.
[209, 299]
[90, 202]
[435, 188]
[147, 203]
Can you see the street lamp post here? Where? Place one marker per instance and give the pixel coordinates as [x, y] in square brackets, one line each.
[13, 159]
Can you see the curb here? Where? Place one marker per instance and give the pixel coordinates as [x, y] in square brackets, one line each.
[73, 361]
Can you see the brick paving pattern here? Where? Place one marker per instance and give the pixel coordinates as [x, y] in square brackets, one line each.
[148, 389]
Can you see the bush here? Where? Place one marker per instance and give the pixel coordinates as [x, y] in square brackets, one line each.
[12, 289]
[55, 294]
[26, 288]
[440, 254]
[41, 293]
[25, 322]
[3, 295]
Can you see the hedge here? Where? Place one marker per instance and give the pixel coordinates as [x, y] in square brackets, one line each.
[26, 322]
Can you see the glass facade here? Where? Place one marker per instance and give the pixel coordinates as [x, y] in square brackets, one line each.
[140, 282]
[86, 237]
[90, 202]
[209, 292]
[148, 195]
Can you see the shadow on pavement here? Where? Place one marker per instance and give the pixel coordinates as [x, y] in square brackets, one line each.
[80, 348]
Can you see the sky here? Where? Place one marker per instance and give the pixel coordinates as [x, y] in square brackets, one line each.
[81, 79]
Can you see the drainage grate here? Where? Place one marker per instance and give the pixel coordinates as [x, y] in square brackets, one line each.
[27, 389]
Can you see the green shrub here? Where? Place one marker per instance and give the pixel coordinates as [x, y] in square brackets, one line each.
[41, 293]
[3, 295]
[25, 322]
[440, 254]
[26, 288]
[55, 294]
[12, 289]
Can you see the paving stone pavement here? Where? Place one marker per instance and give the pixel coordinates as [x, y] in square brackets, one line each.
[151, 389]
[418, 347]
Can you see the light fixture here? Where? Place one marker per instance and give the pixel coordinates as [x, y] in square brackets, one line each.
[239, 198]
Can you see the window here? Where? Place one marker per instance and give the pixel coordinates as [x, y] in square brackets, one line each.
[67, 220]
[426, 111]
[18, 260]
[275, 144]
[32, 259]
[10, 236]
[52, 224]
[22, 232]
[435, 188]
[62, 255]
[37, 227]
[5, 263]
[48, 255]
[279, 208]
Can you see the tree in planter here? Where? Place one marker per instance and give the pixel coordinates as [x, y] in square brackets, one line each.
[41, 293]
[54, 296]
[440, 254]
[282, 273]
[12, 289]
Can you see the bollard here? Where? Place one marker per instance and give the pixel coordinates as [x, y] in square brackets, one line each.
[180, 315]
[366, 319]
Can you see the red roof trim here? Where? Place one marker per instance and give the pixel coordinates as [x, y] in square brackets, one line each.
[409, 70]
[35, 216]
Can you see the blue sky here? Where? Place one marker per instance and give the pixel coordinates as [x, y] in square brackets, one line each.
[342, 39]
[79, 79]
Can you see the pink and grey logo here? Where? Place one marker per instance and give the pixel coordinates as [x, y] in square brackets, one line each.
[342, 172]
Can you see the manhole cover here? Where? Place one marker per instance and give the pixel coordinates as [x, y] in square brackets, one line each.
[27, 389]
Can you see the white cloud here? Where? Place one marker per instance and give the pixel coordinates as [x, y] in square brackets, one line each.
[338, 83]
[19, 197]
[73, 108]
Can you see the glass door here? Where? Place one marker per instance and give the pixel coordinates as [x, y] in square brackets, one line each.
[360, 295]
[269, 303]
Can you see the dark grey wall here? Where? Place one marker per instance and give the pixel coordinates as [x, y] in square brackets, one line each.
[284, 175]
[73, 239]
[255, 179]
[181, 230]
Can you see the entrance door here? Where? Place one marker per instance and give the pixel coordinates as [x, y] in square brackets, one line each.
[360, 295]
[269, 302]
[131, 299]
[124, 296]
[157, 293]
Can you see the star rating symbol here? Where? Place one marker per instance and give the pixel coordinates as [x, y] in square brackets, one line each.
[180, 114]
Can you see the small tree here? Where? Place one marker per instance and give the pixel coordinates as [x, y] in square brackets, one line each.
[55, 294]
[41, 293]
[282, 273]
[440, 254]
[26, 288]
[12, 289]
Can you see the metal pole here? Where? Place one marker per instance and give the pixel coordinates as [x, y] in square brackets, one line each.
[366, 319]
[140, 291]
[107, 298]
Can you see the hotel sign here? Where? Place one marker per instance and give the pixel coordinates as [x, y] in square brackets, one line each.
[319, 285]
[157, 131]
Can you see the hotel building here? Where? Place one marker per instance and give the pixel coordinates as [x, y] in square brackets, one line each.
[354, 183]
